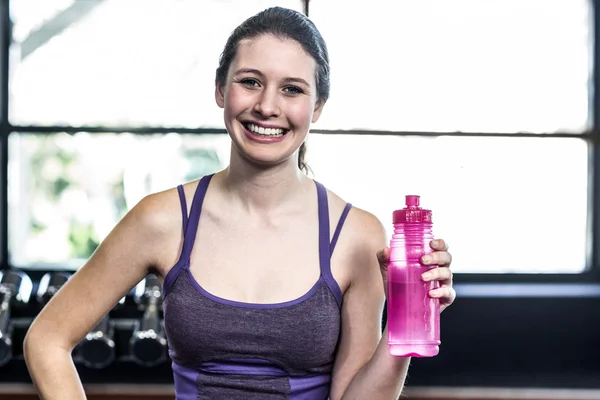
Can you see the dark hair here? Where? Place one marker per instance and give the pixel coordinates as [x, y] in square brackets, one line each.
[288, 24]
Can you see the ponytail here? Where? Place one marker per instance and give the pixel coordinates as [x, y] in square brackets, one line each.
[301, 159]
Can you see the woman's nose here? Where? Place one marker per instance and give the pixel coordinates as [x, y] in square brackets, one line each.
[267, 104]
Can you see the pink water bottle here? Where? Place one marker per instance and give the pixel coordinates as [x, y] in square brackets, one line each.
[413, 318]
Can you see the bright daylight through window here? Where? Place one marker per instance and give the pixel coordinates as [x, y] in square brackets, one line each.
[441, 66]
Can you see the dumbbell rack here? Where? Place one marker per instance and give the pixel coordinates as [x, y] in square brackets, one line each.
[123, 369]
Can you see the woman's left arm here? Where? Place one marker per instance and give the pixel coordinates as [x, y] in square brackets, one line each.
[363, 368]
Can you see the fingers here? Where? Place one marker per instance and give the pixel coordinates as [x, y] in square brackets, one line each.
[439, 244]
[437, 258]
[383, 256]
[442, 274]
[446, 294]
[440, 256]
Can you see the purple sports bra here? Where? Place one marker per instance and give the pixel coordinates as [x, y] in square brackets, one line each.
[223, 349]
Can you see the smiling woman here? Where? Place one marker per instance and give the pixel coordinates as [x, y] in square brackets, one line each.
[315, 81]
[443, 101]
[258, 95]
[307, 321]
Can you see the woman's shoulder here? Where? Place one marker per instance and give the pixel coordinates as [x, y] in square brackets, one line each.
[362, 236]
[361, 223]
[159, 216]
[157, 208]
[161, 212]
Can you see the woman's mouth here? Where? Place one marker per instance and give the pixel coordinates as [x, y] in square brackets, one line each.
[264, 132]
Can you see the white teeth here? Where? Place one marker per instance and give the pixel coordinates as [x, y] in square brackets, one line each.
[259, 130]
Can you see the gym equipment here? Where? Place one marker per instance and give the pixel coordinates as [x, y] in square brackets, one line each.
[97, 349]
[15, 291]
[148, 345]
[50, 284]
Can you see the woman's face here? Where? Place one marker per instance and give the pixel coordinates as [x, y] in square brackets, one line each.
[269, 98]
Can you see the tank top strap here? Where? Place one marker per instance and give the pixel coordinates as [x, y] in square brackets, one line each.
[184, 212]
[324, 243]
[194, 218]
[190, 227]
[338, 228]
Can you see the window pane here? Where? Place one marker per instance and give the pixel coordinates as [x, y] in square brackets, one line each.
[123, 63]
[504, 204]
[461, 65]
[66, 192]
[31, 19]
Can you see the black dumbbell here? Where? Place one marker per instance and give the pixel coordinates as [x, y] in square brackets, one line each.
[50, 284]
[15, 291]
[97, 349]
[148, 345]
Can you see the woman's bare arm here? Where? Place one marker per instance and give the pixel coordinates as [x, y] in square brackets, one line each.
[130, 252]
[364, 369]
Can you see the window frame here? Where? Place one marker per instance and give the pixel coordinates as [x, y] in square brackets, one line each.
[591, 275]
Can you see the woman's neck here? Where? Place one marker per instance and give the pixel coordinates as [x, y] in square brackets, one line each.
[259, 189]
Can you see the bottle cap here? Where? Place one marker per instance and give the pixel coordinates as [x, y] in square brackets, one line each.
[412, 213]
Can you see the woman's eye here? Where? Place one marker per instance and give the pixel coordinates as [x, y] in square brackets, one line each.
[293, 90]
[249, 82]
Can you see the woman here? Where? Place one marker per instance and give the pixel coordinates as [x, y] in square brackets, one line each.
[273, 285]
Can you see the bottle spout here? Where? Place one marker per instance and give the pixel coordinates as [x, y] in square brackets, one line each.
[412, 213]
[412, 201]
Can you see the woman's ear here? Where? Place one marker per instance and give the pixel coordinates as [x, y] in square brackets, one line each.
[317, 111]
[220, 96]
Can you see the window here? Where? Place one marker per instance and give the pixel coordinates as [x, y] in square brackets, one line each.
[462, 65]
[122, 63]
[466, 69]
[108, 63]
[486, 192]
[482, 108]
[68, 191]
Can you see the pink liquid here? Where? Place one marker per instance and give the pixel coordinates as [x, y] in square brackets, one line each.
[413, 329]
[413, 316]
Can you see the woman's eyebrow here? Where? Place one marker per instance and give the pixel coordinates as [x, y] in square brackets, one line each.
[259, 73]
